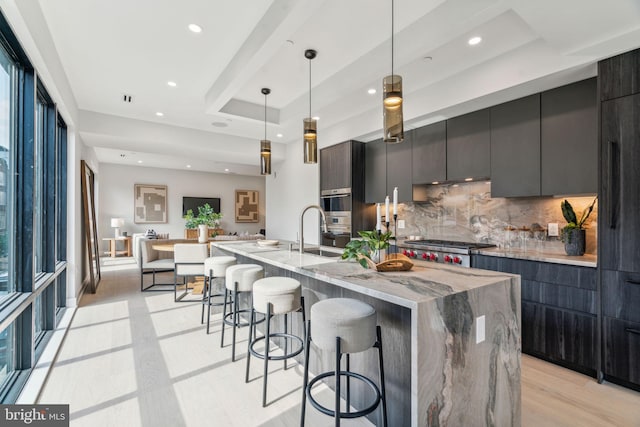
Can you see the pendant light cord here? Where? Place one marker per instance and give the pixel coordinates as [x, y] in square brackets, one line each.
[392, 19]
[309, 88]
[265, 116]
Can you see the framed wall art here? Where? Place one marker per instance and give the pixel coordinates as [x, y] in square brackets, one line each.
[247, 206]
[150, 204]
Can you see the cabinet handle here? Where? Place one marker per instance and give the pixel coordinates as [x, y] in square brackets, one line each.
[632, 282]
[613, 190]
[632, 331]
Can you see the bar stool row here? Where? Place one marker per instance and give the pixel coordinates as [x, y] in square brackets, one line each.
[340, 325]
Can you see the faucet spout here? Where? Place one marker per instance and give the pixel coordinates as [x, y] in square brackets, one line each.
[301, 231]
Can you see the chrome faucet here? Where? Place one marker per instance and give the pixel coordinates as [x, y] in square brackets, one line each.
[324, 225]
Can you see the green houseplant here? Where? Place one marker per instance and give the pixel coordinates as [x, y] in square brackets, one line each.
[205, 219]
[573, 234]
[372, 243]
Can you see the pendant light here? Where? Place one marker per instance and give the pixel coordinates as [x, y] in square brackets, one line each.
[392, 101]
[310, 124]
[265, 144]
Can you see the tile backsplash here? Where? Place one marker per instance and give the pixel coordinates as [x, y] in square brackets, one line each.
[466, 212]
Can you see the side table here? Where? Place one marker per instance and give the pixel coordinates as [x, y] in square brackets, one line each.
[113, 241]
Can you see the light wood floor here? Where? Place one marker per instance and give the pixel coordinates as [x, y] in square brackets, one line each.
[139, 359]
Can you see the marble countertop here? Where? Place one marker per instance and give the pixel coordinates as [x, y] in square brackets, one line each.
[406, 288]
[586, 260]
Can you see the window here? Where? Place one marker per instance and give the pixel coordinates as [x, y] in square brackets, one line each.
[7, 149]
[33, 216]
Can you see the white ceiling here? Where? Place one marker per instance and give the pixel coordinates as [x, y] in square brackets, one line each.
[213, 118]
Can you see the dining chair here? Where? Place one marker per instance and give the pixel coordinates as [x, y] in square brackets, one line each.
[189, 261]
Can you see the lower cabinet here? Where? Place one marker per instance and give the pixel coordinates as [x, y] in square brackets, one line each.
[560, 336]
[559, 321]
[621, 350]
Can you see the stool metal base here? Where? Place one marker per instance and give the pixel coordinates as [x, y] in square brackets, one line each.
[381, 397]
[235, 313]
[348, 374]
[253, 340]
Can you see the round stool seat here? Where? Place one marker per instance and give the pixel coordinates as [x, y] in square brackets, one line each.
[352, 320]
[283, 293]
[218, 265]
[244, 275]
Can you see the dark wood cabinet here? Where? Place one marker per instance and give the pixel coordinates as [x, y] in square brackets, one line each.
[375, 171]
[619, 195]
[335, 166]
[621, 349]
[399, 169]
[619, 218]
[469, 146]
[559, 307]
[429, 153]
[619, 76]
[569, 139]
[515, 148]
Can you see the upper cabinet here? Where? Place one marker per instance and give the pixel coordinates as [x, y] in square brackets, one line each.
[429, 153]
[619, 76]
[569, 139]
[468, 142]
[515, 148]
[335, 166]
[399, 169]
[375, 171]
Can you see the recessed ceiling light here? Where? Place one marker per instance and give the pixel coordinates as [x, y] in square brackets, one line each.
[188, 166]
[279, 135]
[474, 40]
[428, 58]
[219, 124]
[172, 84]
[139, 161]
[435, 182]
[468, 179]
[159, 114]
[316, 118]
[226, 170]
[195, 28]
[371, 91]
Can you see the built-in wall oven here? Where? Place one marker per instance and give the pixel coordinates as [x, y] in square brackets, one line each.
[336, 204]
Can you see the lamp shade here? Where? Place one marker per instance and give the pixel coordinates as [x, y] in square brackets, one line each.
[117, 222]
[265, 157]
[310, 140]
[392, 106]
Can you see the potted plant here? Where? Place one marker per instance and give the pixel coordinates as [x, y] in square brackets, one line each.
[573, 234]
[205, 219]
[371, 246]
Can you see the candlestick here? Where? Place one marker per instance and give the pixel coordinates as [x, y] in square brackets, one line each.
[378, 220]
[395, 201]
[387, 217]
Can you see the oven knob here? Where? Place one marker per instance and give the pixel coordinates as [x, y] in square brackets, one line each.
[447, 258]
[433, 257]
[405, 252]
[424, 255]
[457, 260]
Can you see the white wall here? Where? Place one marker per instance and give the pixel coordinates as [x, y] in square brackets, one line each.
[116, 197]
[292, 186]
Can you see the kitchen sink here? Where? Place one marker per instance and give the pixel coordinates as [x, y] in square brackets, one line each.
[316, 251]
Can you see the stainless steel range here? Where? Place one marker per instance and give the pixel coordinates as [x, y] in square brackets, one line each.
[448, 252]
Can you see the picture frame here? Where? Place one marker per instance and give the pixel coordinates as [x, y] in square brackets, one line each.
[150, 204]
[247, 206]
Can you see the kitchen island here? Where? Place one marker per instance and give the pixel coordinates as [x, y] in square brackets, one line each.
[451, 335]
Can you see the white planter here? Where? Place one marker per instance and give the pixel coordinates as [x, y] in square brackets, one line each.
[203, 233]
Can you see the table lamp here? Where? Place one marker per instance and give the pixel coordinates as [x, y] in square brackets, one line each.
[117, 223]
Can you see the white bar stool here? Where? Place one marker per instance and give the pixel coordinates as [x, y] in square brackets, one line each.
[214, 268]
[273, 296]
[343, 325]
[239, 279]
